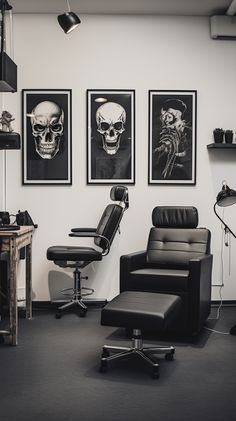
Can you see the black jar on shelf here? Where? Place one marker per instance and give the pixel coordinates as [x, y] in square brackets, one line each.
[229, 136]
[218, 135]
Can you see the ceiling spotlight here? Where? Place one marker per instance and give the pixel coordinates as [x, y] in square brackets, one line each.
[100, 99]
[69, 20]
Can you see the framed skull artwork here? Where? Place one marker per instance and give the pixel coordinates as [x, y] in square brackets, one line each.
[110, 136]
[172, 137]
[46, 127]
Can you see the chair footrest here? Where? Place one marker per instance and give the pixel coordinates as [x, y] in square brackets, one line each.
[135, 309]
[73, 293]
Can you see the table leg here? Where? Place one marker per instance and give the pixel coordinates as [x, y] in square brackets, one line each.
[13, 294]
[28, 281]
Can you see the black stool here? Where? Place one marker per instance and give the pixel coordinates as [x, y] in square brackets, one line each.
[139, 310]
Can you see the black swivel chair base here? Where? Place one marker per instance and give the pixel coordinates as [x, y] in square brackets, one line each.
[76, 296]
[138, 349]
[73, 303]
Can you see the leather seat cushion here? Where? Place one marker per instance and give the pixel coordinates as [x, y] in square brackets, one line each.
[151, 279]
[137, 310]
[74, 254]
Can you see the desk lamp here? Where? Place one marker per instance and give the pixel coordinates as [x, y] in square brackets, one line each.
[226, 197]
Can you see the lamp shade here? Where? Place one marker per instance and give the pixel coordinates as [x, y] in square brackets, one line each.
[226, 197]
[68, 21]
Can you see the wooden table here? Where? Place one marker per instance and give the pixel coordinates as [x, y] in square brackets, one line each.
[11, 242]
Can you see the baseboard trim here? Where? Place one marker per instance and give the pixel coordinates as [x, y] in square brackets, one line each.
[40, 305]
[45, 305]
[225, 303]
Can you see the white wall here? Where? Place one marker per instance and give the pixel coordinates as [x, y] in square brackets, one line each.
[112, 52]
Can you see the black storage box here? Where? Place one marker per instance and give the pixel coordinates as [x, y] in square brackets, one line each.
[9, 140]
[8, 74]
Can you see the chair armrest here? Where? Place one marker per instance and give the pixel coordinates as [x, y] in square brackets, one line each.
[200, 270]
[93, 235]
[128, 263]
[83, 229]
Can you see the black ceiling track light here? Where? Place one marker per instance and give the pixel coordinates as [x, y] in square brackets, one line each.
[8, 69]
[69, 20]
[8, 83]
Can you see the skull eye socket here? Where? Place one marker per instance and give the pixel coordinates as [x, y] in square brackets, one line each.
[105, 126]
[56, 127]
[39, 128]
[118, 125]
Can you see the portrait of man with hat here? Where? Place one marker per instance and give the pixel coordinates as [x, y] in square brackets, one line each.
[172, 151]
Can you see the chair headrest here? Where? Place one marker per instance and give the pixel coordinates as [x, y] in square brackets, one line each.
[120, 194]
[175, 217]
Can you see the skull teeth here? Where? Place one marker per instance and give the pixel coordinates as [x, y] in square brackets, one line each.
[111, 142]
[47, 149]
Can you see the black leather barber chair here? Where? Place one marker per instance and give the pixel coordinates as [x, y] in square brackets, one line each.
[177, 261]
[77, 257]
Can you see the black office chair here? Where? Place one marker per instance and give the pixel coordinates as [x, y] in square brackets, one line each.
[79, 257]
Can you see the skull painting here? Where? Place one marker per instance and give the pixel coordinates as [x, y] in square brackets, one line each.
[111, 118]
[47, 122]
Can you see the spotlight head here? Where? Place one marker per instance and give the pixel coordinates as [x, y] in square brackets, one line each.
[226, 197]
[68, 21]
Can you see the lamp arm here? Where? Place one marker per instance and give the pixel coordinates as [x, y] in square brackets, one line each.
[225, 225]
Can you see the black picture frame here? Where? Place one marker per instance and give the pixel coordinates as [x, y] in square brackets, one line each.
[172, 137]
[46, 137]
[110, 136]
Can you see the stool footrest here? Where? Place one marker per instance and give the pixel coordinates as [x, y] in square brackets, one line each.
[138, 311]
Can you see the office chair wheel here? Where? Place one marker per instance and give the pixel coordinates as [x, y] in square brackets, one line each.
[169, 356]
[58, 315]
[103, 366]
[6, 339]
[82, 313]
[155, 373]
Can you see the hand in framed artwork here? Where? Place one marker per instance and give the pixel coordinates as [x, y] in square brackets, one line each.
[47, 148]
[172, 137]
[110, 137]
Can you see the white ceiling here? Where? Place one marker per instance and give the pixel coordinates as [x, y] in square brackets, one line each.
[159, 7]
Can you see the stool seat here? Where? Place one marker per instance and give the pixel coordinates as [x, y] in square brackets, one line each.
[73, 253]
[141, 310]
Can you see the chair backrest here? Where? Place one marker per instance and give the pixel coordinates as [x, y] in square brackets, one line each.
[112, 215]
[175, 238]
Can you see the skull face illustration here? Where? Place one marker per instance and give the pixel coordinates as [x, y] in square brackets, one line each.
[47, 128]
[111, 118]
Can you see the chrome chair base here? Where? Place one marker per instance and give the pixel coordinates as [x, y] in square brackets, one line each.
[76, 296]
[73, 303]
[137, 348]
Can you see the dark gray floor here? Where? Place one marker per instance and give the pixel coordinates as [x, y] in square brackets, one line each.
[53, 374]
